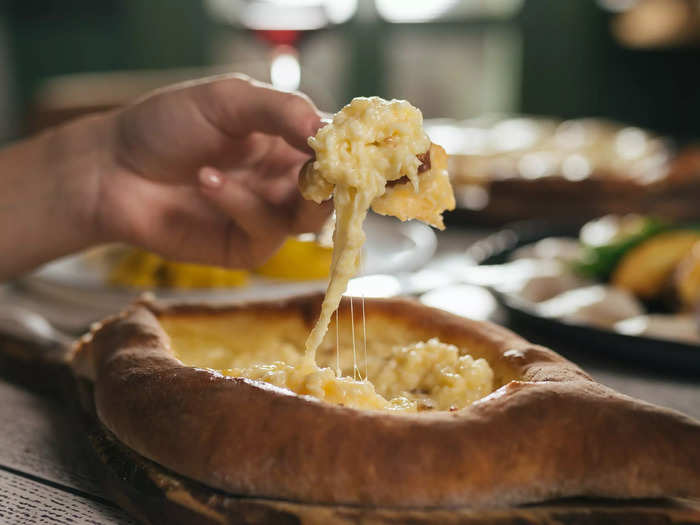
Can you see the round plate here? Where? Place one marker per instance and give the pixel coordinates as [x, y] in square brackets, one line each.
[660, 353]
[391, 247]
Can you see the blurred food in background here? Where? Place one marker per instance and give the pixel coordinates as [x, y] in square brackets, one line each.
[656, 23]
[574, 69]
[300, 258]
[136, 268]
[453, 58]
[563, 110]
[632, 274]
[515, 168]
[646, 269]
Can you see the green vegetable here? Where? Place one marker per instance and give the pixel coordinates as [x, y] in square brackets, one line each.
[598, 262]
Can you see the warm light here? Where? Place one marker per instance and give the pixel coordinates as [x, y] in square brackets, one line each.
[576, 167]
[411, 11]
[631, 143]
[402, 11]
[276, 15]
[473, 302]
[455, 138]
[374, 286]
[536, 165]
[294, 3]
[601, 231]
[285, 73]
[656, 23]
[570, 134]
[339, 11]
[514, 134]
[633, 326]
[301, 18]
[472, 197]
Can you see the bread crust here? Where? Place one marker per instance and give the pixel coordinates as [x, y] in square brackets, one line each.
[550, 431]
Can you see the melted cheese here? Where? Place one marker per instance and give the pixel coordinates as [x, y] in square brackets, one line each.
[434, 194]
[369, 143]
[435, 375]
[428, 375]
[425, 375]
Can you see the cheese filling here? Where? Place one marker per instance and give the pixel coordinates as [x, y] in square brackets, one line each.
[430, 375]
[369, 143]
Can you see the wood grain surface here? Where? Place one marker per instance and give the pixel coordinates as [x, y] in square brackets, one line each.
[38, 438]
[25, 501]
[45, 475]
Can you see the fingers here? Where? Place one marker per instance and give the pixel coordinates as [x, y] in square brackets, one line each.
[275, 176]
[239, 106]
[311, 217]
[254, 214]
[265, 225]
[177, 222]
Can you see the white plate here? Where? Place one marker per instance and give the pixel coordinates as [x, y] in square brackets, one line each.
[391, 247]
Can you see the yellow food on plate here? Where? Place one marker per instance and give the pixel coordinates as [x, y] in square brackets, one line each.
[647, 268]
[187, 275]
[141, 269]
[299, 258]
[687, 279]
[136, 269]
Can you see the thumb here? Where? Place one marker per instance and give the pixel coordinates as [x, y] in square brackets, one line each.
[244, 104]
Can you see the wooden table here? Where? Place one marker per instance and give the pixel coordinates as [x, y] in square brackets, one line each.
[45, 476]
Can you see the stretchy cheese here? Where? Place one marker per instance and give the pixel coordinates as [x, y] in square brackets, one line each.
[371, 142]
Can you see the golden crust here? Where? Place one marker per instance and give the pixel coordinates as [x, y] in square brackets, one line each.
[550, 431]
[433, 197]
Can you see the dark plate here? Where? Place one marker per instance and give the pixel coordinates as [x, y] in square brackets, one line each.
[659, 353]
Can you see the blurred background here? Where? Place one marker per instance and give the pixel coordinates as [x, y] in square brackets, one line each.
[635, 61]
[554, 112]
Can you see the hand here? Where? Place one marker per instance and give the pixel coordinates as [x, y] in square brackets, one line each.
[207, 172]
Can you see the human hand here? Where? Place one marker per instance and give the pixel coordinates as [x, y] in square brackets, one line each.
[207, 172]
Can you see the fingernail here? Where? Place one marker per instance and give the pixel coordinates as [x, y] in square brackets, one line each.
[210, 178]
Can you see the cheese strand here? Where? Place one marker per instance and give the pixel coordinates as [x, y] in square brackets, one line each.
[337, 345]
[351, 208]
[354, 352]
[364, 332]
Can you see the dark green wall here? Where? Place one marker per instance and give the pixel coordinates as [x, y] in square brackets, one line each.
[571, 65]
